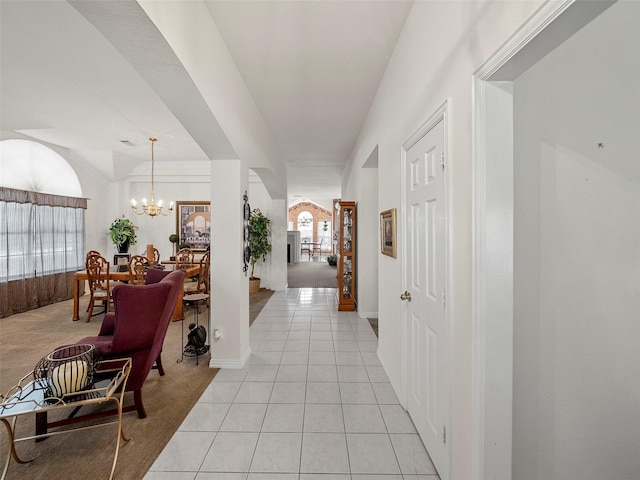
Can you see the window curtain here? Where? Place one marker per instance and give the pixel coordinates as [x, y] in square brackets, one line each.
[42, 243]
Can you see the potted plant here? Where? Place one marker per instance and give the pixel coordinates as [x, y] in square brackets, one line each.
[123, 234]
[259, 243]
[332, 260]
[174, 239]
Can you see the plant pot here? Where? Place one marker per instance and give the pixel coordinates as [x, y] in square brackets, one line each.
[254, 285]
[123, 247]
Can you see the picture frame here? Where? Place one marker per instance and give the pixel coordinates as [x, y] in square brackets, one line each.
[388, 237]
[193, 223]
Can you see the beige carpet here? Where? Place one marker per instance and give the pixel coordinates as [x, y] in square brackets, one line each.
[26, 337]
[311, 275]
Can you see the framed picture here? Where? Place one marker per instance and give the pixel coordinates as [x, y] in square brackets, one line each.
[388, 232]
[193, 224]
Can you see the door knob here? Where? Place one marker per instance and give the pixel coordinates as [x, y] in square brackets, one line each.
[405, 296]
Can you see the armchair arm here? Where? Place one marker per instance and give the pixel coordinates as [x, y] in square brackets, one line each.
[108, 324]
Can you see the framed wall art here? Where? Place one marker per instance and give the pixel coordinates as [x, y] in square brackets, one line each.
[388, 232]
[193, 224]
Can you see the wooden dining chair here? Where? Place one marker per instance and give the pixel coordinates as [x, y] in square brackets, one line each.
[184, 258]
[156, 256]
[317, 247]
[201, 285]
[137, 270]
[92, 253]
[99, 287]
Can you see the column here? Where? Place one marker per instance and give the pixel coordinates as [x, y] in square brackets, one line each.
[229, 286]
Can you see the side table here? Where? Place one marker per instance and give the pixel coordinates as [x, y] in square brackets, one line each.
[28, 397]
[124, 267]
[194, 300]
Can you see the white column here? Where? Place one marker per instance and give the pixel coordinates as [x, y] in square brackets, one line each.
[229, 285]
[278, 257]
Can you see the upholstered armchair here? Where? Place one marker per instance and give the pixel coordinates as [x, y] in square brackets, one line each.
[137, 328]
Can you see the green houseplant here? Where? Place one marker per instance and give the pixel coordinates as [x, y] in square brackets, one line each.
[259, 243]
[332, 260]
[123, 233]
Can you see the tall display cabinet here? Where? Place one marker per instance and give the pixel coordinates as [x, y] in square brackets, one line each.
[346, 223]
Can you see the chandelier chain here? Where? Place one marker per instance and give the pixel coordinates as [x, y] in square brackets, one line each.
[152, 209]
[153, 141]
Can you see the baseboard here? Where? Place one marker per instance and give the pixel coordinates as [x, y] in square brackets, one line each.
[368, 314]
[400, 393]
[230, 362]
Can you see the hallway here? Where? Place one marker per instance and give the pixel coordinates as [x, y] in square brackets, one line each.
[313, 403]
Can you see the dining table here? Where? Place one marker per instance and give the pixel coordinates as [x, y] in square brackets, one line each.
[310, 247]
[117, 274]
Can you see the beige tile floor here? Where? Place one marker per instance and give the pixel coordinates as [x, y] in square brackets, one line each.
[313, 403]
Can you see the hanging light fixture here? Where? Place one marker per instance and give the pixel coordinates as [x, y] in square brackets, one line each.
[151, 209]
[304, 220]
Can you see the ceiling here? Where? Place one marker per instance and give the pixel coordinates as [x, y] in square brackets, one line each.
[312, 69]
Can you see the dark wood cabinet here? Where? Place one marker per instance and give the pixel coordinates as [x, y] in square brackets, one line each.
[346, 223]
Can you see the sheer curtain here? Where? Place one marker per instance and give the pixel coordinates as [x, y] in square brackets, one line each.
[41, 246]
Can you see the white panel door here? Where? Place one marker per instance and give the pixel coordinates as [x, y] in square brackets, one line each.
[426, 221]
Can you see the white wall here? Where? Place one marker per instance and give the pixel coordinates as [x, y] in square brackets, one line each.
[273, 271]
[441, 46]
[367, 238]
[99, 202]
[577, 257]
[172, 184]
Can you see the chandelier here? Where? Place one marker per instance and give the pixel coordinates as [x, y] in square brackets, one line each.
[305, 221]
[151, 209]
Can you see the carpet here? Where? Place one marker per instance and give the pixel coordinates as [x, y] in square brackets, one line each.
[257, 301]
[26, 337]
[311, 275]
[374, 325]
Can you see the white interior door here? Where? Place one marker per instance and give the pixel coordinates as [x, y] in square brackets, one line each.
[425, 218]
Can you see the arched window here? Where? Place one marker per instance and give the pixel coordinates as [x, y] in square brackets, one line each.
[305, 226]
[41, 226]
[30, 166]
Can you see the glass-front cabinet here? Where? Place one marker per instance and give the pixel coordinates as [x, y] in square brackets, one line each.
[346, 223]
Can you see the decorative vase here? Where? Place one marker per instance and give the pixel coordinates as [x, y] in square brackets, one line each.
[67, 370]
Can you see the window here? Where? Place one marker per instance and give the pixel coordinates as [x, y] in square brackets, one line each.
[305, 226]
[41, 232]
[324, 233]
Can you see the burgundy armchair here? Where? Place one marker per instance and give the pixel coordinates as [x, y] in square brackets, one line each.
[138, 326]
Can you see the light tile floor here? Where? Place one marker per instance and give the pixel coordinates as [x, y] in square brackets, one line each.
[313, 403]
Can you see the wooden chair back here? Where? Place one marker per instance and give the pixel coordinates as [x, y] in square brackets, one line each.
[98, 278]
[184, 258]
[156, 256]
[137, 270]
[317, 247]
[201, 285]
[204, 272]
